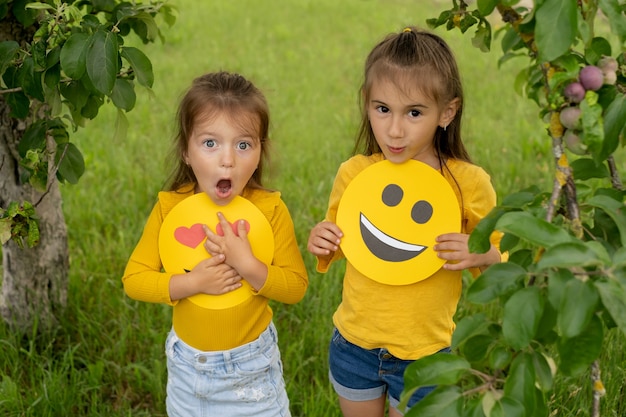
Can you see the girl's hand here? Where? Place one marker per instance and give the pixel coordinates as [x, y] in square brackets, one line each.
[237, 252]
[324, 239]
[211, 276]
[454, 249]
[214, 277]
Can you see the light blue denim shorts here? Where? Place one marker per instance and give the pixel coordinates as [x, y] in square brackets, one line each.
[244, 381]
[359, 374]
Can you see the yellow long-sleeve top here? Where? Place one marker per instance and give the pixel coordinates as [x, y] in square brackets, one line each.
[415, 320]
[208, 329]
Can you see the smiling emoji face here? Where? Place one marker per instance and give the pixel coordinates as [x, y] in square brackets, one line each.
[181, 241]
[390, 215]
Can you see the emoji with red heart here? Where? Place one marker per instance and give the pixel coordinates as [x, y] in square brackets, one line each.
[181, 237]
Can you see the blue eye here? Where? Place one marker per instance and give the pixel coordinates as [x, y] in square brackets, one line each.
[209, 143]
[243, 146]
[382, 109]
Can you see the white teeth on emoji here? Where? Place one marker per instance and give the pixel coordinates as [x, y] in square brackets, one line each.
[386, 247]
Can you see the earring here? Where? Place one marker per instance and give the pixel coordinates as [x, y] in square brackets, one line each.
[445, 127]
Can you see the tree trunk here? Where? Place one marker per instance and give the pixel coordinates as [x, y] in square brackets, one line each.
[34, 280]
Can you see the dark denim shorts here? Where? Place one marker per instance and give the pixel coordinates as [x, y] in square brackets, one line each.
[359, 374]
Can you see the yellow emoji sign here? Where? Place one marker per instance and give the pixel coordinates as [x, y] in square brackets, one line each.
[390, 215]
[181, 240]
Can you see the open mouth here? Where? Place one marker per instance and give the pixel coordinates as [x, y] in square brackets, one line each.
[223, 188]
[386, 247]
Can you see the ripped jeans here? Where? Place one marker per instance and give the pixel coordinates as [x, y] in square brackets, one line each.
[244, 381]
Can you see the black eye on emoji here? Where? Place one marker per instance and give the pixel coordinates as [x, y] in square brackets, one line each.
[422, 212]
[392, 195]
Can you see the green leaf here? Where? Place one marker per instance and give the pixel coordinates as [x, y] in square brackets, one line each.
[569, 254]
[34, 138]
[102, 61]
[479, 239]
[141, 65]
[23, 14]
[507, 407]
[75, 92]
[586, 168]
[532, 229]
[33, 233]
[519, 200]
[168, 13]
[442, 402]
[576, 354]
[598, 47]
[577, 307]
[90, 110]
[5, 230]
[593, 124]
[544, 375]
[123, 95]
[496, 281]
[151, 29]
[72, 166]
[615, 12]
[614, 123]
[556, 28]
[482, 37]
[475, 349]
[19, 103]
[436, 369]
[619, 258]
[30, 80]
[613, 295]
[4, 9]
[616, 210]
[557, 281]
[500, 357]
[52, 76]
[485, 7]
[74, 55]
[522, 313]
[8, 51]
[467, 327]
[39, 6]
[520, 383]
[121, 125]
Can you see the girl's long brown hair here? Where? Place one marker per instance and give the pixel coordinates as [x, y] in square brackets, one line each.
[422, 60]
[219, 93]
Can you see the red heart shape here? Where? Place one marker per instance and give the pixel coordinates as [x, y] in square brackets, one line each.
[220, 231]
[190, 236]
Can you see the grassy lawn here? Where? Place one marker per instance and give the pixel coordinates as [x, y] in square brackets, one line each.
[107, 359]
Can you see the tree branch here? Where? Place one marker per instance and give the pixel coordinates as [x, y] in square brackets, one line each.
[10, 90]
[616, 182]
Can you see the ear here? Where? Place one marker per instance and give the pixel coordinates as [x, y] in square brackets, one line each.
[448, 112]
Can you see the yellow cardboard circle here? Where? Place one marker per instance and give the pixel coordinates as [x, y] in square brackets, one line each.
[181, 241]
[390, 215]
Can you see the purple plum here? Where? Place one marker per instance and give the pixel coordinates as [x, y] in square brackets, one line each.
[575, 92]
[570, 117]
[591, 77]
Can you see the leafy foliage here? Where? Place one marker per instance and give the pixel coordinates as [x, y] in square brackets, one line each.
[564, 284]
[77, 61]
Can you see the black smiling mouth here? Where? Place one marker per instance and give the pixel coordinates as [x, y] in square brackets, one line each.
[386, 247]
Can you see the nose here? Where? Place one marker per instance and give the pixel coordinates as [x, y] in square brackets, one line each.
[395, 127]
[227, 158]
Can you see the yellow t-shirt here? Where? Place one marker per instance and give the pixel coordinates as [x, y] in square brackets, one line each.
[207, 329]
[415, 320]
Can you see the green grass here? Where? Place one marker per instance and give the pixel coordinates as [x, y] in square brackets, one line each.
[106, 359]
